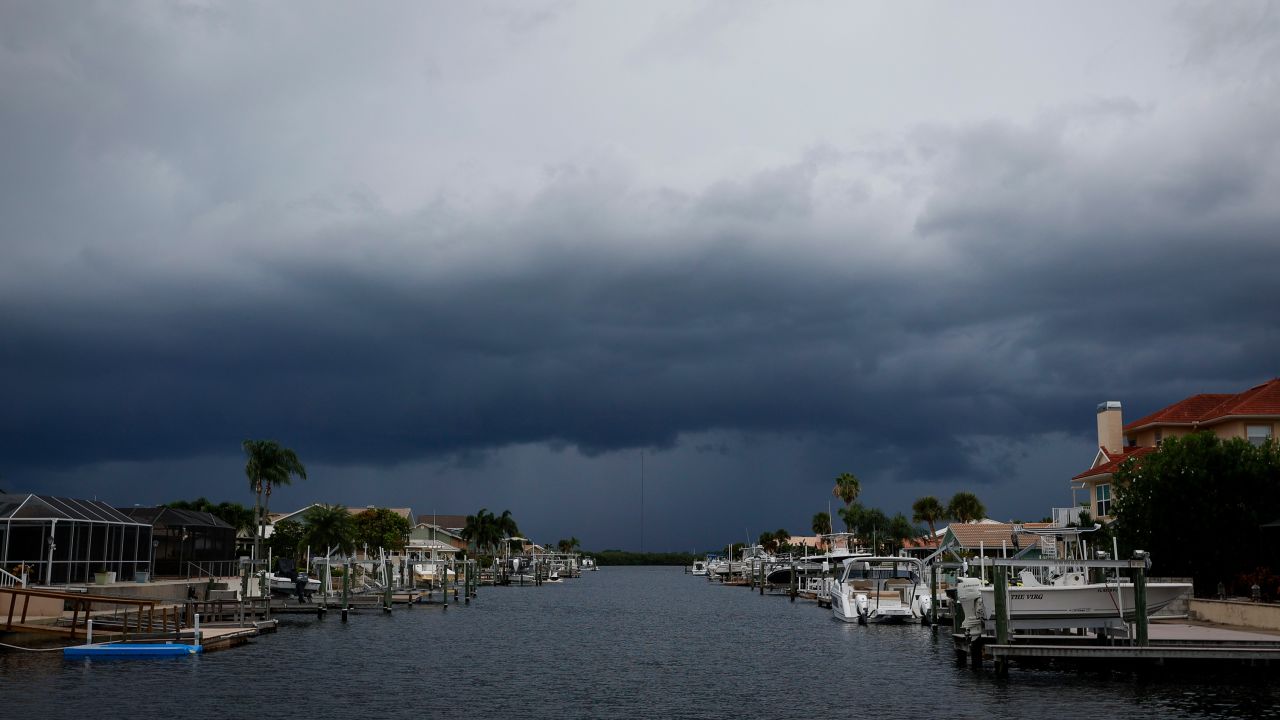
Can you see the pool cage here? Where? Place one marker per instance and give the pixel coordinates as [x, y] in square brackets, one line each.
[188, 543]
[59, 541]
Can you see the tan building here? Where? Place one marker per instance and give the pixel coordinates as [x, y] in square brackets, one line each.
[1252, 415]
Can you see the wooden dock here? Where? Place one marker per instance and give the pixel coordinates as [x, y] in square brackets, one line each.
[1168, 644]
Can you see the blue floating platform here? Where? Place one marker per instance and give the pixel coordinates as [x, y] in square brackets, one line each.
[132, 650]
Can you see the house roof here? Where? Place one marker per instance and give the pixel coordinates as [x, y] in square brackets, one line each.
[406, 513]
[1112, 461]
[438, 529]
[924, 541]
[26, 506]
[452, 522]
[989, 535]
[161, 516]
[1263, 399]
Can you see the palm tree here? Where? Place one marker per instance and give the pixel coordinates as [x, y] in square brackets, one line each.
[506, 525]
[330, 526]
[965, 507]
[483, 529]
[822, 525]
[847, 488]
[928, 509]
[268, 465]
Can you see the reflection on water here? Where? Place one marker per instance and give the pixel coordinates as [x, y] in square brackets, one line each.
[618, 643]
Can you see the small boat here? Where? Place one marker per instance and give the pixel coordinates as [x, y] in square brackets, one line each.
[699, 568]
[879, 589]
[589, 564]
[286, 585]
[554, 577]
[1067, 601]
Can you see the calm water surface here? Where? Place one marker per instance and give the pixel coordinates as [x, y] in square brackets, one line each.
[618, 643]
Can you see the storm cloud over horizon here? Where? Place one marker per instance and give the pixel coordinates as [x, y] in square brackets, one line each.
[484, 255]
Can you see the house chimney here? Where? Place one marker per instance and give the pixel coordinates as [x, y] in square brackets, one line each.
[1110, 426]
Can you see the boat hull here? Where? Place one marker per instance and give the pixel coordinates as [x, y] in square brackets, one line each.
[1081, 602]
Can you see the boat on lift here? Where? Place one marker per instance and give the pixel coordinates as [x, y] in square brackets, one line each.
[1067, 600]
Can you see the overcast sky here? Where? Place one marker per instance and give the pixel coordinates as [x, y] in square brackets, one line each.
[464, 255]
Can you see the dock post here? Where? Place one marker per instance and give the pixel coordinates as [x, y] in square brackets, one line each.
[346, 588]
[386, 586]
[1002, 617]
[195, 635]
[933, 597]
[762, 576]
[466, 583]
[795, 581]
[1140, 604]
[444, 585]
[88, 633]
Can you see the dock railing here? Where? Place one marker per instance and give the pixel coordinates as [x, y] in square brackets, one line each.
[140, 615]
[9, 580]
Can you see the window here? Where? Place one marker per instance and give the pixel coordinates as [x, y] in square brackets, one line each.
[1159, 436]
[1102, 493]
[1258, 434]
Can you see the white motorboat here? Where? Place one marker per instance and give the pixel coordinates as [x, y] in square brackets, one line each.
[879, 589]
[1067, 601]
[699, 567]
[589, 564]
[285, 585]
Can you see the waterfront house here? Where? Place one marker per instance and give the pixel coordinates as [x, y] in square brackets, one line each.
[55, 540]
[188, 543]
[1252, 415]
[427, 540]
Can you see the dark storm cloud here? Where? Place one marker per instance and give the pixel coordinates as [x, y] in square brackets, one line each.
[215, 231]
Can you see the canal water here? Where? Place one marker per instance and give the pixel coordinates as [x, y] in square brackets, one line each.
[617, 643]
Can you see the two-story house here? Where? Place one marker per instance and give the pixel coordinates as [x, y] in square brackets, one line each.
[1252, 415]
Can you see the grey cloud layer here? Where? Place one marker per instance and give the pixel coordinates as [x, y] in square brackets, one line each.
[917, 293]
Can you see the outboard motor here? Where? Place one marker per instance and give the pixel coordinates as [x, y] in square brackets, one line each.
[863, 607]
[969, 598]
[924, 605]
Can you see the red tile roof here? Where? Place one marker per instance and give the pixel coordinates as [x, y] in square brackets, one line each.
[1113, 461]
[1261, 400]
[990, 535]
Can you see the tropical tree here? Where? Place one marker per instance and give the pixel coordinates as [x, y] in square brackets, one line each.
[565, 546]
[900, 529]
[928, 509]
[380, 527]
[847, 488]
[851, 516]
[875, 525]
[268, 464]
[506, 525]
[287, 539]
[483, 530]
[965, 507]
[329, 527]
[1199, 505]
[822, 524]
